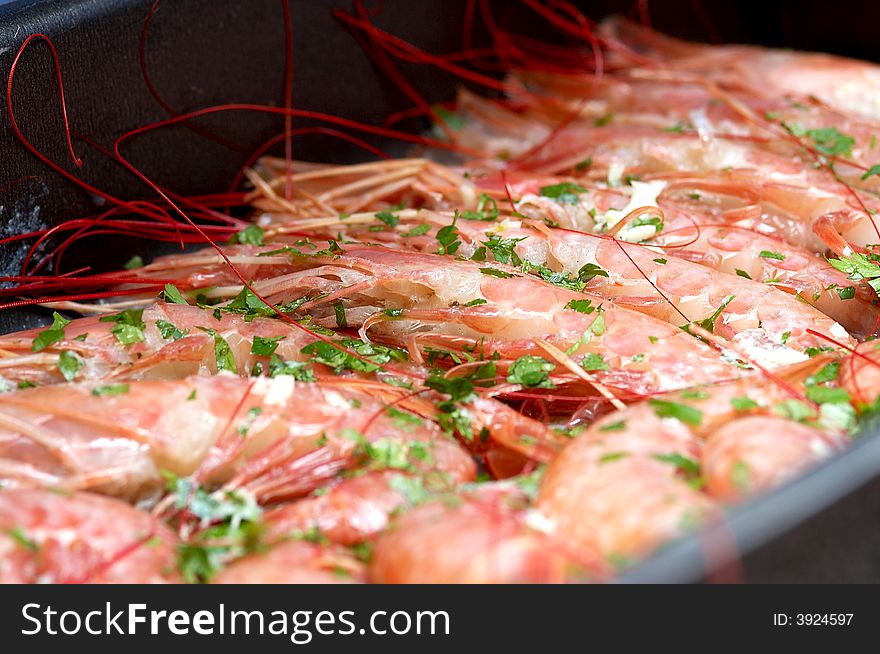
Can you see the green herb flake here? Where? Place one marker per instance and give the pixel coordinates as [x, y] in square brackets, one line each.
[169, 330]
[503, 249]
[250, 235]
[581, 306]
[419, 230]
[859, 267]
[22, 539]
[741, 476]
[531, 372]
[388, 218]
[448, 239]
[564, 192]
[594, 361]
[110, 390]
[129, 327]
[590, 270]
[494, 272]
[263, 347]
[794, 410]
[618, 425]
[826, 373]
[223, 355]
[687, 465]
[682, 412]
[248, 422]
[769, 254]
[709, 323]
[299, 370]
[69, 364]
[827, 394]
[135, 262]
[339, 311]
[831, 142]
[743, 403]
[873, 170]
[52, 334]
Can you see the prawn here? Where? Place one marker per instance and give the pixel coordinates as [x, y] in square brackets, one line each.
[482, 536]
[772, 326]
[275, 437]
[418, 301]
[163, 341]
[639, 477]
[294, 562]
[52, 537]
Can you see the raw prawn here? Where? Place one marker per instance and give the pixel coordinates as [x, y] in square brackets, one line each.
[736, 438]
[275, 437]
[294, 562]
[417, 300]
[769, 324]
[52, 537]
[165, 341]
[480, 537]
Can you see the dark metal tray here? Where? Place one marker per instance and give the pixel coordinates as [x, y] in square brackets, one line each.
[824, 526]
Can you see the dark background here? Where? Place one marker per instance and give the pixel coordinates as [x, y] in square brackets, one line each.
[205, 52]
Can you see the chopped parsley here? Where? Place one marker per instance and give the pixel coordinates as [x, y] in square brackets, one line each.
[593, 361]
[169, 330]
[299, 370]
[339, 311]
[740, 475]
[419, 230]
[263, 347]
[581, 306]
[503, 249]
[531, 372]
[22, 539]
[709, 323]
[448, 239]
[487, 210]
[494, 272]
[873, 170]
[682, 412]
[826, 373]
[173, 294]
[250, 235]
[110, 390]
[565, 192]
[129, 327]
[743, 403]
[69, 364]
[135, 262]
[618, 425]
[334, 356]
[388, 218]
[590, 270]
[584, 164]
[860, 267]
[769, 254]
[52, 334]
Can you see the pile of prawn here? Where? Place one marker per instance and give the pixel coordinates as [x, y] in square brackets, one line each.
[653, 296]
